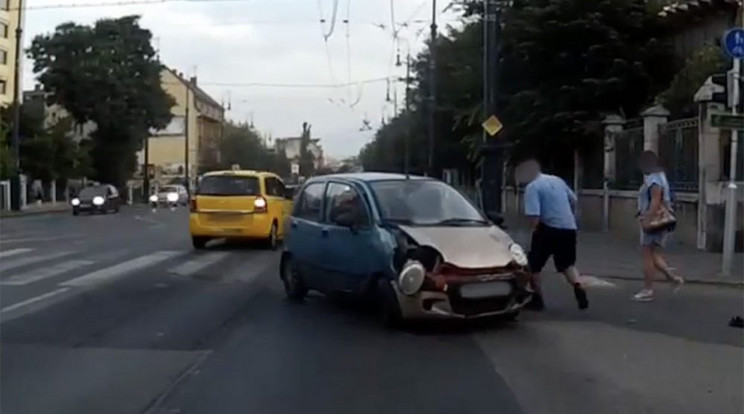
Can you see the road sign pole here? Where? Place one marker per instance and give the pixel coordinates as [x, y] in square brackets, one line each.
[734, 42]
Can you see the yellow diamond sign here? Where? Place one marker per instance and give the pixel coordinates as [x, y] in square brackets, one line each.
[492, 125]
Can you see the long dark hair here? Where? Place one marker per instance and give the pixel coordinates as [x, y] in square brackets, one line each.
[649, 162]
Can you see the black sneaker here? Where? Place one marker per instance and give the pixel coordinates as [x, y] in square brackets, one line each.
[581, 298]
[536, 303]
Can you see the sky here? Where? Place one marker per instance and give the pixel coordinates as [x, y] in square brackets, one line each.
[262, 56]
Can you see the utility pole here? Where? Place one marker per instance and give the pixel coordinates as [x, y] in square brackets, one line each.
[15, 197]
[186, 141]
[492, 163]
[146, 177]
[729, 234]
[432, 88]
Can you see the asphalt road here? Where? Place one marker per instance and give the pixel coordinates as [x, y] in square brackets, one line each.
[117, 314]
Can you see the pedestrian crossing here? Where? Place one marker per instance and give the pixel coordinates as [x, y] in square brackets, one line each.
[59, 272]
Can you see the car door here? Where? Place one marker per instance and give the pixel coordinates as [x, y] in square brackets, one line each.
[349, 251]
[305, 235]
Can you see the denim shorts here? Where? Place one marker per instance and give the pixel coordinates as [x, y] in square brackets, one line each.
[657, 239]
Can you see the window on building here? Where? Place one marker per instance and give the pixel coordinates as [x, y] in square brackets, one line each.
[3, 57]
[3, 86]
[4, 4]
[4, 31]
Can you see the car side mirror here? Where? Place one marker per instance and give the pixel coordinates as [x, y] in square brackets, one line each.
[496, 218]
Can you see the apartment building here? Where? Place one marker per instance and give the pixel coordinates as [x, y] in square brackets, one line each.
[9, 21]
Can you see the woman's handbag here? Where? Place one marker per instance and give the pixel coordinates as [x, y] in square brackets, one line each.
[663, 220]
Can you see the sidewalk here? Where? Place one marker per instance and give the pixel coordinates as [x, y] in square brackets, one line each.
[44, 208]
[606, 255]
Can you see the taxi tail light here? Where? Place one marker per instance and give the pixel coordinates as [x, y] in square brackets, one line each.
[260, 205]
[192, 205]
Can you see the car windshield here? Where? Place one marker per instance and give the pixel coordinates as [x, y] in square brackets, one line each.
[90, 192]
[169, 189]
[222, 185]
[424, 202]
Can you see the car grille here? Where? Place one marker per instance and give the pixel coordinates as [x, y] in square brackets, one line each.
[472, 307]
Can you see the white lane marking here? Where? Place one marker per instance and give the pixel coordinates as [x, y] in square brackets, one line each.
[33, 300]
[44, 273]
[592, 281]
[12, 264]
[13, 252]
[113, 272]
[200, 262]
[38, 239]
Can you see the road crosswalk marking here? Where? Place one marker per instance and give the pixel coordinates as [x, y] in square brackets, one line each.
[14, 252]
[200, 262]
[113, 272]
[45, 272]
[592, 281]
[33, 300]
[25, 261]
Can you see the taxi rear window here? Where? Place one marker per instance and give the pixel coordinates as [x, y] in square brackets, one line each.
[223, 185]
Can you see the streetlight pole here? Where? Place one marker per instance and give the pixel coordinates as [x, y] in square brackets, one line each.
[16, 134]
[432, 87]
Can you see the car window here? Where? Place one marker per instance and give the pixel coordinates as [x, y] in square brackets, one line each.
[344, 199]
[90, 192]
[311, 202]
[228, 185]
[169, 189]
[281, 189]
[272, 187]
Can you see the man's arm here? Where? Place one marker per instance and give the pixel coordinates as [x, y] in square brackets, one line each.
[532, 206]
[572, 199]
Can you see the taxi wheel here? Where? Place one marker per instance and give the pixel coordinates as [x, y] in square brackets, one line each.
[294, 288]
[272, 242]
[199, 242]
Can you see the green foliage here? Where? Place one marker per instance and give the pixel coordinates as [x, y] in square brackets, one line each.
[704, 63]
[7, 165]
[307, 160]
[106, 73]
[242, 145]
[564, 65]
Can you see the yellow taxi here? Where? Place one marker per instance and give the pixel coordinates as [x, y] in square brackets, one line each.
[239, 204]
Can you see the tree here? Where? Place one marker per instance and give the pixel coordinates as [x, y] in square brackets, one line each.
[106, 73]
[307, 160]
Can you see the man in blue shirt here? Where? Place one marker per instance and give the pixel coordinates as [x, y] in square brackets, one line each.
[550, 204]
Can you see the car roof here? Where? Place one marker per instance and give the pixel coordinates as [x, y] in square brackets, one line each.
[240, 173]
[367, 177]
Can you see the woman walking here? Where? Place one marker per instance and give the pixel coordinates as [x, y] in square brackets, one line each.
[656, 220]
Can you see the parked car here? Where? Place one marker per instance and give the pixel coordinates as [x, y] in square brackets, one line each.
[101, 198]
[415, 245]
[170, 195]
[238, 204]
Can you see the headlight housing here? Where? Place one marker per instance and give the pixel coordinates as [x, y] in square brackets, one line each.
[172, 197]
[517, 252]
[412, 277]
[154, 198]
[75, 202]
[98, 200]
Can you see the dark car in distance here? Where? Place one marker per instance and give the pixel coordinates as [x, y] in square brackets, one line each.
[102, 198]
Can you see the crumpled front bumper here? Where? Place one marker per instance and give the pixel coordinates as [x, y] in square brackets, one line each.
[439, 305]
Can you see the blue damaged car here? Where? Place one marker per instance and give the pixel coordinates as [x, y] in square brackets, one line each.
[415, 245]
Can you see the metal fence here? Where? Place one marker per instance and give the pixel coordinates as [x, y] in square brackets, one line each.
[628, 147]
[678, 152]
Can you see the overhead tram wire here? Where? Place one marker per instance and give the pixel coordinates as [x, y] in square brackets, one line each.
[291, 85]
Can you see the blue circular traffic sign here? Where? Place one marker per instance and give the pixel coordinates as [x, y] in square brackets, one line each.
[733, 43]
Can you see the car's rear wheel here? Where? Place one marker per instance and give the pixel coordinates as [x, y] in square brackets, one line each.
[272, 242]
[199, 242]
[294, 287]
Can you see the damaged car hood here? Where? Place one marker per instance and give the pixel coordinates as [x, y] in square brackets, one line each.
[465, 247]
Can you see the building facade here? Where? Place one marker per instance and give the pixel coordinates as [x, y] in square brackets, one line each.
[291, 148]
[197, 124]
[9, 22]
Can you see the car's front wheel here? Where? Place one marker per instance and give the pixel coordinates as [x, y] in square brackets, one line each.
[199, 242]
[294, 287]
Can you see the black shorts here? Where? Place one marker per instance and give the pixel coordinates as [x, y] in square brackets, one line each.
[550, 241]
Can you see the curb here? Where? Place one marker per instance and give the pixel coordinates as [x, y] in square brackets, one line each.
[693, 281]
[14, 214]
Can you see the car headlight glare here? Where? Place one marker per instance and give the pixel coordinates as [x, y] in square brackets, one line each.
[411, 278]
[172, 197]
[517, 252]
[75, 202]
[98, 200]
[153, 198]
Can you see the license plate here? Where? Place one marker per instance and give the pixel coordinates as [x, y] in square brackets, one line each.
[231, 231]
[225, 218]
[485, 290]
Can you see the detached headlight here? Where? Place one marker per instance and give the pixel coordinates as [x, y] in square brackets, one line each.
[98, 200]
[172, 197]
[75, 202]
[518, 254]
[154, 198]
[411, 278]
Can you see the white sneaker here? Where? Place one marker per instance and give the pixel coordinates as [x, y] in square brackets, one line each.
[645, 295]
